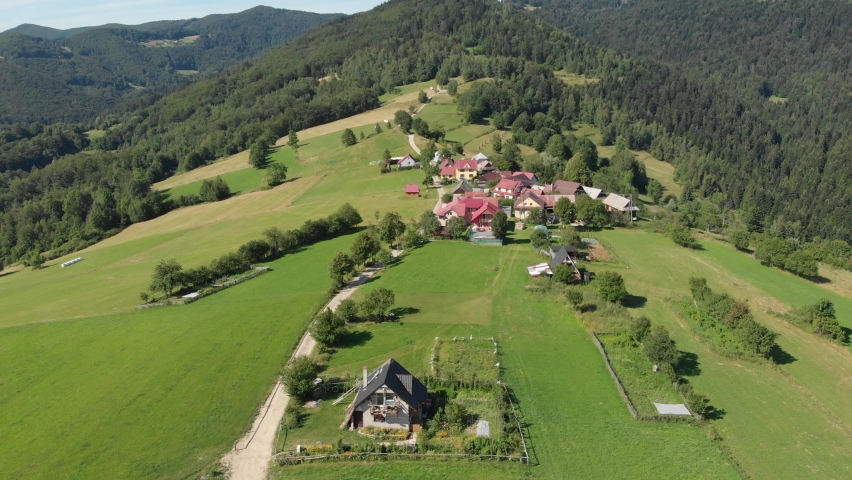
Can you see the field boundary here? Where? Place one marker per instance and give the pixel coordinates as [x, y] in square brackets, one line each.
[404, 456]
[624, 396]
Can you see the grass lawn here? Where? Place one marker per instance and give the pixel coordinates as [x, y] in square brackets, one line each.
[785, 421]
[575, 418]
[154, 393]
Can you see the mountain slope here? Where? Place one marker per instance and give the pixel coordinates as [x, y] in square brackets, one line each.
[96, 68]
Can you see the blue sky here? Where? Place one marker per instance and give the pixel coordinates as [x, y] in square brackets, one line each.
[81, 13]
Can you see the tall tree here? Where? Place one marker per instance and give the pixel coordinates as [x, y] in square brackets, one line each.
[166, 276]
[348, 138]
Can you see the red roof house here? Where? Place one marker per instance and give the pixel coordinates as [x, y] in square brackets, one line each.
[508, 188]
[477, 211]
[412, 190]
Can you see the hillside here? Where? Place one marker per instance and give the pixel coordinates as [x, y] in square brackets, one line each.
[77, 75]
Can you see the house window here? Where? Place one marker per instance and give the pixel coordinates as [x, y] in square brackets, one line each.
[383, 398]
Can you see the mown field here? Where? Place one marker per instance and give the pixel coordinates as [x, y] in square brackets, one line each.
[159, 393]
[577, 423]
[786, 421]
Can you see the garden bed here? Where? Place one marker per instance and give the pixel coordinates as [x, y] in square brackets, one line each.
[464, 358]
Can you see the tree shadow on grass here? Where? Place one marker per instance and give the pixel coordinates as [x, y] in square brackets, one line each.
[512, 240]
[688, 365]
[780, 357]
[713, 413]
[355, 338]
[400, 312]
[818, 279]
[8, 273]
[634, 301]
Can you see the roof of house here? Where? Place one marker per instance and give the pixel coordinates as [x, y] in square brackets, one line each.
[508, 184]
[495, 175]
[561, 254]
[448, 171]
[529, 195]
[463, 205]
[412, 188]
[395, 377]
[407, 157]
[592, 192]
[564, 187]
[617, 202]
[448, 162]
[523, 175]
[480, 156]
[462, 187]
[476, 194]
[486, 209]
[466, 164]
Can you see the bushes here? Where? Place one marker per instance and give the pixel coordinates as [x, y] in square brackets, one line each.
[328, 328]
[820, 318]
[377, 304]
[214, 190]
[276, 242]
[457, 227]
[727, 323]
[659, 347]
[563, 274]
[610, 286]
[294, 414]
[681, 235]
[298, 377]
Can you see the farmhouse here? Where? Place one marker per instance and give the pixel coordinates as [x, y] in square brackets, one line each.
[405, 162]
[466, 169]
[508, 188]
[477, 211]
[617, 203]
[564, 187]
[462, 188]
[390, 397]
[447, 169]
[535, 200]
[412, 190]
[483, 163]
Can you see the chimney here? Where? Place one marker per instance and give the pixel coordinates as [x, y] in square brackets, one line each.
[365, 376]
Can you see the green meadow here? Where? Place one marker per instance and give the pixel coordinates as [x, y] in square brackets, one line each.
[159, 393]
[789, 420]
[577, 424]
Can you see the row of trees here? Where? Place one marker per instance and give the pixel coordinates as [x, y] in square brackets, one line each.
[729, 322]
[169, 274]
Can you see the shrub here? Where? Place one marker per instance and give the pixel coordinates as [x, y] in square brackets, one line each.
[741, 239]
[328, 328]
[456, 415]
[536, 217]
[659, 347]
[377, 303]
[457, 227]
[275, 174]
[298, 377]
[563, 274]
[293, 415]
[447, 197]
[500, 225]
[610, 286]
[640, 328]
[681, 235]
[574, 298]
[802, 264]
[540, 239]
[347, 310]
[255, 251]
[214, 190]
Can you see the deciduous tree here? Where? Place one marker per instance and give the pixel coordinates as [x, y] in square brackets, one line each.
[500, 225]
[298, 377]
[457, 227]
[341, 265]
[377, 303]
[365, 247]
[610, 286]
[565, 210]
[166, 276]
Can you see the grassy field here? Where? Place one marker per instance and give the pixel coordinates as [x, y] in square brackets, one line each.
[785, 421]
[154, 393]
[577, 423]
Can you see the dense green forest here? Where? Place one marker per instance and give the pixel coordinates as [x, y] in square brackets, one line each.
[78, 77]
[784, 166]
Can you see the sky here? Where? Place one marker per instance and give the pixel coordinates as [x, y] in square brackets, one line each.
[64, 14]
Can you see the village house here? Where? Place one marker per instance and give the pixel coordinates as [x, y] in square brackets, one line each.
[531, 200]
[405, 162]
[527, 179]
[483, 163]
[593, 193]
[466, 169]
[617, 203]
[507, 188]
[477, 211]
[564, 187]
[412, 190]
[462, 188]
[447, 169]
[390, 397]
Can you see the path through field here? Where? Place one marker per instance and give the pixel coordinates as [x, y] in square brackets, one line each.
[250, 458]
[413, 145]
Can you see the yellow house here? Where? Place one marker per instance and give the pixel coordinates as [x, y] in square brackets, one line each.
[466, 169]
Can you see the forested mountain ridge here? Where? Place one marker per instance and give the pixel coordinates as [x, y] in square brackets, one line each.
[784, 166]
[79, 77]
[48, 33]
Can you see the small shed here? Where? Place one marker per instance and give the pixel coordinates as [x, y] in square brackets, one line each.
[412, 190]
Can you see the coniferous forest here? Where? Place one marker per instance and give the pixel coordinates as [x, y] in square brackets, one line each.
[784, 165]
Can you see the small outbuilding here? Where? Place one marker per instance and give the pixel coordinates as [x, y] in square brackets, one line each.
[390, 397]
[412, 190]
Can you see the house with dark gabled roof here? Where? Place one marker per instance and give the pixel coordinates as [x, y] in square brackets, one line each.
[390, 397]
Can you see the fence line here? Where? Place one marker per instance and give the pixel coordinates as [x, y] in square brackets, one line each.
[347, 456]
[615, 377]
[518, 422]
